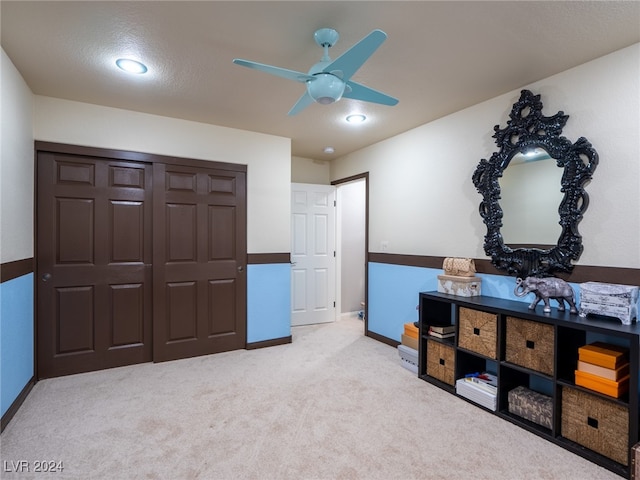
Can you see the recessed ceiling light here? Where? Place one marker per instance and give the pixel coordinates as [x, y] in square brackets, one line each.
[356, 118]
[131, 66]
[329, 150]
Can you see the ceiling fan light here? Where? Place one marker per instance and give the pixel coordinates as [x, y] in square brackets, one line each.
[325, 100]
[131, 66]
[356, 118]
[326, 88]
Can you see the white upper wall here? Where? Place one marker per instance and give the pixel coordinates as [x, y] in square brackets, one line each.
[422, 199]
[307, 170]
[16, 165]
[268, 157]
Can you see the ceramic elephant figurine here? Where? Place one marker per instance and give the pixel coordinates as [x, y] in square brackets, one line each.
[544, 289]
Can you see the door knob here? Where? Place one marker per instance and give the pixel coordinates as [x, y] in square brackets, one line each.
[240, 268]
[46, 277]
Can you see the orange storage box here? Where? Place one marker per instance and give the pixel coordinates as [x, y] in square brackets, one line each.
[602, 385]
[410, 330]
[603, 354]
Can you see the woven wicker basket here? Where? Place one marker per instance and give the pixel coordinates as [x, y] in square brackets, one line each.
[441, 361]
[530, 344]
[478, 332]
[596, 423]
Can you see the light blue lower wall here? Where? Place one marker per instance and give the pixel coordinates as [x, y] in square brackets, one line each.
[393, 296]
[16, 338]
[268, 301]
[394, 289]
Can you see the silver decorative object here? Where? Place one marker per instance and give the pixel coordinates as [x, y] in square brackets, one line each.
[545, 289]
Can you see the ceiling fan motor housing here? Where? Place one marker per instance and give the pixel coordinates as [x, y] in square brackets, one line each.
[326, 88]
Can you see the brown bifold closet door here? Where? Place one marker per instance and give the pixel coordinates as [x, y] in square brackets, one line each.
[199, 235]
[93, 272]
[137, 259]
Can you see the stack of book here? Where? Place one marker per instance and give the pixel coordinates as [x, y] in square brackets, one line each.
[439, 331]
[480, 388]
[604, 368]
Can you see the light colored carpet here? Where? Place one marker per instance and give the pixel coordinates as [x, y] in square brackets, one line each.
[333, 404]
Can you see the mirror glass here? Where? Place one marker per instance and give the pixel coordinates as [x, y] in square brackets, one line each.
[530, 196]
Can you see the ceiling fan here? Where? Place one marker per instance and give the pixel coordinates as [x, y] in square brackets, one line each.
[330, 80]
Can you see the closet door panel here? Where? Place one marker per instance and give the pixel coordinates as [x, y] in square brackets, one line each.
[199, 261]
[93, 263]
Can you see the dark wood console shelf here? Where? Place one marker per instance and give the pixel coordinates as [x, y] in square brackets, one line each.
[545, 363]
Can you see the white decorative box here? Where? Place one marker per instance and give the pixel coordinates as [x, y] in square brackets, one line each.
[408, 358]
[461, 286]
[620, 301]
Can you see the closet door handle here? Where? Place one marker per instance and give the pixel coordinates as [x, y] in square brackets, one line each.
[46, 277]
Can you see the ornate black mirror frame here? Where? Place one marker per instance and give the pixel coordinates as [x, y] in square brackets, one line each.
[528, 129]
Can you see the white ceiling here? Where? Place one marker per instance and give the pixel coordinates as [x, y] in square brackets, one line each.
[439, 57]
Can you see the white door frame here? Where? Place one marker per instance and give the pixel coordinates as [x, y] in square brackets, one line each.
[363, 176]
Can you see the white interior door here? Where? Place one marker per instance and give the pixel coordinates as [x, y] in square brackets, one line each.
[313, 245]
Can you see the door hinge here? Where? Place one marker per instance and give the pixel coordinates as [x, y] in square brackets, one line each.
[334, 253]
[334, 203]
[334, 304]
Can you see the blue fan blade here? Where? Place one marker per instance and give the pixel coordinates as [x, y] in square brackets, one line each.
[304, 101]
[366, 94]
[277, 71]
[351, 60]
